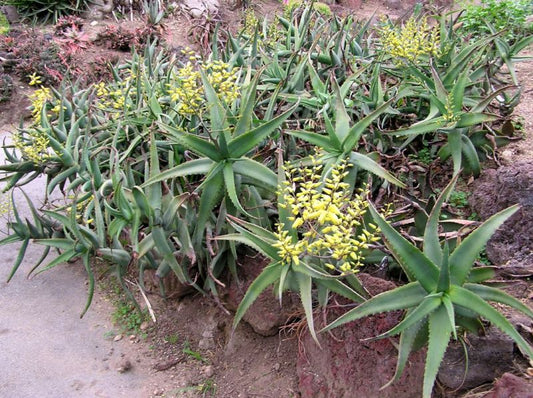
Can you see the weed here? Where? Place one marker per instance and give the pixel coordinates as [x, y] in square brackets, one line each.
[193, 354]
[68, 22]
[35, 54]
[117, 38]
[473, 216]
[205, 389]
[483, 258]
[518, 124]
[127, 317]
[422, 156]
[208, 387]
[172, 339]
[109, 335]
[458, 199]
[4, 24]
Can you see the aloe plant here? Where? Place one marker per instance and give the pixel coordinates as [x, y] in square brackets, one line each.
[444, 292]
[223, 156]
[48, 10]
[342, 140]
[303, 251]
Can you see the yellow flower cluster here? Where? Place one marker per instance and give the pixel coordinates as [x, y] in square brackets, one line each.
[186, 89]
[5, 205]
[291, 5]
[39, 98]
[411, 41]
[224, 80]
[111, 98]
[328, 219]
[35, 79]
[250, 23]
[288, 250]
[450, 116]
[80, 209]
[33, 145]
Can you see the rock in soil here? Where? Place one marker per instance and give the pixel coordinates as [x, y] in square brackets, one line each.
[489, 357]
[209, 371]
[11, 13]
[496, 190]
[123, 366]
[511, 386]
[349, 367]
[265, 315]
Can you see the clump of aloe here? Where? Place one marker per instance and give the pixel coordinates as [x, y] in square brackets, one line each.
[445, 292]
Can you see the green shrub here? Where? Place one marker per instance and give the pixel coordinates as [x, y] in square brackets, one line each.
[48, 10]
[501, 14]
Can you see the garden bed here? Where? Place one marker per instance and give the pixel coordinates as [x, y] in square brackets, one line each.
[186, 141]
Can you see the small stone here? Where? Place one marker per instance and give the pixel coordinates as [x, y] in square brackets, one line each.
[118, 337]
[277, 367]
[124, 366]
[209, 371]
[159, 392]
[94, 23]
[144, 326]
[196, 13]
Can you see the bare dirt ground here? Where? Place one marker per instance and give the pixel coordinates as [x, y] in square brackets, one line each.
[190, 351]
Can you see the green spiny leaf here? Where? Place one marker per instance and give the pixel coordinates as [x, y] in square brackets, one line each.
[432, 248]
[492, 294]
[463, 257]
[439, 335]
[403, 297]
[468, 299]
[429, 304]
[415, 264]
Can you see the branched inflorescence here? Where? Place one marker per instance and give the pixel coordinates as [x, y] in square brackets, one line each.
[328, 219]
[39, 98]
[186, 90]
[410, 42]
[33, 145]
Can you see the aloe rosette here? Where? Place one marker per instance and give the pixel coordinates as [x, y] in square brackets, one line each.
[444, 292]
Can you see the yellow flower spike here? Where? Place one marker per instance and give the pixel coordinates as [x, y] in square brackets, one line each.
[35, 79]
[327, 218]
